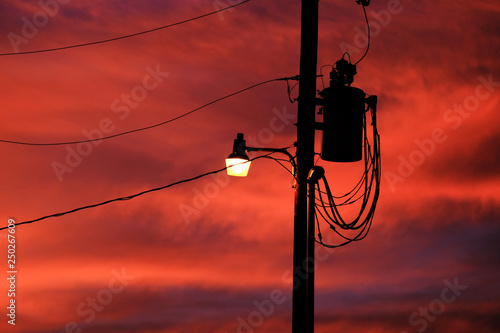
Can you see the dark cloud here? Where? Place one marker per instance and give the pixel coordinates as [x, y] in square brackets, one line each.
[476, 161]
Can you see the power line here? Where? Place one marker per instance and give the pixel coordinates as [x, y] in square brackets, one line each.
[125, 36]
[131, 196]
[142, 128]
[369, 183]
[364, 4]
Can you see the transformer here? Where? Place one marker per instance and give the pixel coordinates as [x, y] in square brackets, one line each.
[343, 110]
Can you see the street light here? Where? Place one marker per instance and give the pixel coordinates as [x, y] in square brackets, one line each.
[237, 162]
[305, 173]
[237, 166]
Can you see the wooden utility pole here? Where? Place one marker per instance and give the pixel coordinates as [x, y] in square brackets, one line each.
[303, 279]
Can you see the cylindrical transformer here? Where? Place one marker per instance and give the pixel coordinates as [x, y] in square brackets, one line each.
[343, 109]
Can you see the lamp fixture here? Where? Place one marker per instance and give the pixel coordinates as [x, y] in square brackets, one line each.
[237, 162]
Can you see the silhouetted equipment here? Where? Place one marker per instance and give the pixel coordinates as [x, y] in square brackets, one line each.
[239, 147]
[364, 3]
[237, 162]
[344, 140]
[343, 110]
[343, 116]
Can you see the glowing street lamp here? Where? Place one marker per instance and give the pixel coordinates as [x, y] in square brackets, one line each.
[345, 119]
[237, 165]
[237, 162]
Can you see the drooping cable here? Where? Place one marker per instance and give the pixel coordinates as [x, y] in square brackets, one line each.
[289, 91]
[321, 74]
[131, 196]
[327, 205]
[125, 36]
[280, 162]
[138, 129]
[364, 4]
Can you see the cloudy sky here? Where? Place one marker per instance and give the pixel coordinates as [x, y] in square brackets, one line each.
[215, 254]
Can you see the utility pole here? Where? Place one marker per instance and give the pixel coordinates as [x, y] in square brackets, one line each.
[303, 283]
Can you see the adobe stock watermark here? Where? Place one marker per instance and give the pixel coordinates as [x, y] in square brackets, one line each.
[218, 5]
[427, 146]
[31, 27]
[121, 107]
[266, 308]
[381, 19]
[201, 197]
[103, 297]
[12, 271]
[420, 319]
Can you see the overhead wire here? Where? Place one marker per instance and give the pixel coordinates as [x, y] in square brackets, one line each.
[321, 74]
[369, 183]
[280, 160]
[289, 91]
[124, 36]
[363, 4]
[327, 207]
[128, 197]
[138, 129]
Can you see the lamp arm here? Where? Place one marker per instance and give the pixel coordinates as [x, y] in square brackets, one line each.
[276, 150]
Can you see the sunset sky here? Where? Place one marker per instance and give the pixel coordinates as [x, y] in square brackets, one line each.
[215, 254]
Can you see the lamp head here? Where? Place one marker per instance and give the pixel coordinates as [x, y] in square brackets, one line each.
[237, 162]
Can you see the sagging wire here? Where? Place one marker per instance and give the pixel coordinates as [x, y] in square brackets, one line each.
[332, 67]
[290, 89]
[355, 189]
[297, 78]
[142, 128]
[125, 36]
[321, 73]
[364, 4]
[124, 198]
[327, 205]
[291, 158]
[348, 56]
[280, 162]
